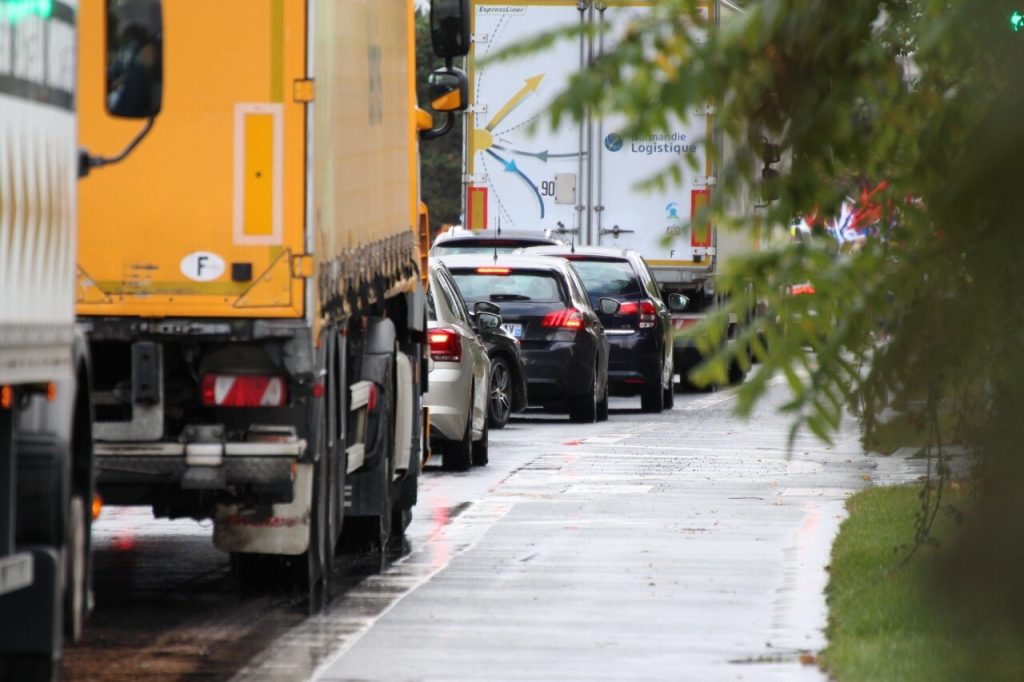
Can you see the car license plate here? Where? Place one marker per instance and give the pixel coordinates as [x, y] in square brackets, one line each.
[515, 330]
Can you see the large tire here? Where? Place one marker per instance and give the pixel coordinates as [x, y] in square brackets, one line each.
[583, 408]
[312, 565]
[499, 407]
[652, 397]
[458, 454]
[480, 449]
[602, 406]
[669, 400]
[75, 567]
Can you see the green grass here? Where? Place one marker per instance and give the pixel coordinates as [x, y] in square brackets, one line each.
[892, 623]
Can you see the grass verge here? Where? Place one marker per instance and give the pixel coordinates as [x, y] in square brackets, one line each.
[888, 622]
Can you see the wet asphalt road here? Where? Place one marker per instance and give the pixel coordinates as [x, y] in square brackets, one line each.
[688, 545]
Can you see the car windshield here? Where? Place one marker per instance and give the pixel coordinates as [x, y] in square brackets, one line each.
[515, 286]
[613, 278]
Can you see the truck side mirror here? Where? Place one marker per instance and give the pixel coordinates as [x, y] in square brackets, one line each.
[135, 60]
[449, 28]
[448, 89]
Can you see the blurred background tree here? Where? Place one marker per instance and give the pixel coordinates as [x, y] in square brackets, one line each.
[923, 101]
[440, 159]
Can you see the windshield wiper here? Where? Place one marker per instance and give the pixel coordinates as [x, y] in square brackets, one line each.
[510, 297]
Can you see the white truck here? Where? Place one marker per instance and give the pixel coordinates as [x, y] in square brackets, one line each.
[580, 181]
[45, 438]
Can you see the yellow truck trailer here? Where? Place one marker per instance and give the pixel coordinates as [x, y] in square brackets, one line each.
[250, 284]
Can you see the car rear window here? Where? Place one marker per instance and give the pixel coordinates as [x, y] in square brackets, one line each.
[462, 246]
[607, 277]
[517, 285]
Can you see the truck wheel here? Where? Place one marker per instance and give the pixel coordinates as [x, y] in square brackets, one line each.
[583, 408]
[458, 455]
[373, 533]
[480, 448]
[499, 408]
[75, 558]
[312, 565]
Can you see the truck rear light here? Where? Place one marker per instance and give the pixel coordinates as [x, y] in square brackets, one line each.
[243, 390]
[645, 309]
[569, 318]
[445, 345]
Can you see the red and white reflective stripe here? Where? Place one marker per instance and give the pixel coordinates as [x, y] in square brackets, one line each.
[233, 390]
[683, 322]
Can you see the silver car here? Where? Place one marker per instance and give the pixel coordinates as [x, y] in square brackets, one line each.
[459, 374]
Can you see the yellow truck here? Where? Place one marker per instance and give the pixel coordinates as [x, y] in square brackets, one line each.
[250, 284]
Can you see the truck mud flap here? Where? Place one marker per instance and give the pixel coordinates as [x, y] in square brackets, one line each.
[271, 528]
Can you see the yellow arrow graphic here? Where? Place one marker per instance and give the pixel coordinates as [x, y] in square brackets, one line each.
[531, 86]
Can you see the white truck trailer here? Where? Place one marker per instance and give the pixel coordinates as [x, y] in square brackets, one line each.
[45, 438]
[580, 181]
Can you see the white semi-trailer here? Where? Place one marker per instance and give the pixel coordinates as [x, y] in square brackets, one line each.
[580, 181]
[45, 437]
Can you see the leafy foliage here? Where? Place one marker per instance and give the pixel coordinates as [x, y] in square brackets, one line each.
[925, 95]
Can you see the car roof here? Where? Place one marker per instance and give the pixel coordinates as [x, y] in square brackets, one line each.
[560, 250]
[503, 260]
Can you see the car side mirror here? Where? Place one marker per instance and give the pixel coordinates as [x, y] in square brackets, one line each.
[677, 303]
[487, 321]
[608, 306]
[134, 48]
[486, 307]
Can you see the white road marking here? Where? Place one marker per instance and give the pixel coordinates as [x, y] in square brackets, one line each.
[587, 489]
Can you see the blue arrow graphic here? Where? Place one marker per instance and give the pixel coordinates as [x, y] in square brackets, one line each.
[543, 156]
[510, 166]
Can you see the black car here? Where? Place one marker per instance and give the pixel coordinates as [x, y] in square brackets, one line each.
[640, 331]
[545, 305]
[456, 241]
[508, 376]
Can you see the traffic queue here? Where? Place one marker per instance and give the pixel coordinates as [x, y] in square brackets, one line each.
[518, 321]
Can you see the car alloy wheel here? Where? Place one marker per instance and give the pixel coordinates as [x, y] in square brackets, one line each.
[500, 406]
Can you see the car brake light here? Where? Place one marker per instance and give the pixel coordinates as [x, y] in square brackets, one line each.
[243, 390]
[569, 318]
[493, 271]
[445, 345]
[645, 309]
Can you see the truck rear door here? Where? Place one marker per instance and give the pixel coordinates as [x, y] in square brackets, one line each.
[524, 174]
[640, 219]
